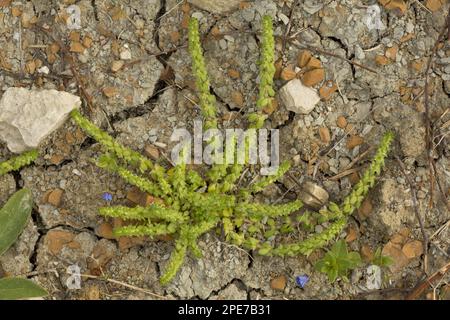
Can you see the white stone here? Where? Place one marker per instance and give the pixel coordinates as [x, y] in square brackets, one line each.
[216, 6]
[298, 98]
[29, 116]
[373, 281]
[44, 70]
[125, 54]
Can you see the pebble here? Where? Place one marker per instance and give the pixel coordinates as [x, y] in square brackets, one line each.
[278, 283]
[413, 249]
[373, 281]
[298, 98]
[288, 73]
[354, 141]
[366, 208]
[117, 65]
[152, 152]
[303, 58]
[55, 197]
[313, 77]
[76, 47]
[125, 54]
[341, 122]
[223, 44]
[324, 134]
[105, 230]
[327, 90]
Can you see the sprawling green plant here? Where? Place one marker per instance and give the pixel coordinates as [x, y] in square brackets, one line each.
[18, 162]
[193, 204]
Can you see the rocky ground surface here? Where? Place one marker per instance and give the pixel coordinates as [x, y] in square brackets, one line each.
[130, 64]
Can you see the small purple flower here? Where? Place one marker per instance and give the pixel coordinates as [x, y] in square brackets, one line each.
[302, 280]
[107, 196]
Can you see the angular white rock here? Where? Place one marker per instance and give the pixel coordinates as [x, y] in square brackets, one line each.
[298, 98]
[216, 6]
[29, 116]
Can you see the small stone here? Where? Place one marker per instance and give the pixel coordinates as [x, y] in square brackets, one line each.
[381, 60]
[244, 5]
[313, 77]
[16, 11]
[352, 234]
[278, 283]
[324, 134]
[398, 239]
[354, 178]
[303, 58]
[186, 7]
[216, 6]
[125, 54]
[354, 141]
[54, 48]
[74, 36]
[341, 122]
[398, 5]
[373, 281]
[327, 90]
[288, 73]
[110, 91]
[278, 68]
[56, 159]
[43, 70]
[395, 252]
[140, 198]
[93, 293]
[314, 63]
[366, 253]
[30, 67]
[404, 232]
[105, 230]
[418, 65]
[271, 107]
[366, 208]
[298, 98]
[391, 53]
[151, 151]
[134, 196]
[237, 98]
[116, 65]
[434, 5]
[87, 41]
[413, 249]
[76, 47]
[313, 195]
[56, 239]
[233, 73]
[55, 197]
[175, 36]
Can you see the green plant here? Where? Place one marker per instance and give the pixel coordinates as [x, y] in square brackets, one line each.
[380, 260]
[192, 205]
[13, 219]
[18, 162]
[338, 261]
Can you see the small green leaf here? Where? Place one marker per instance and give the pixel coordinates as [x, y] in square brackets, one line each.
[340, 249]
[380, 260]
[18, 288]
[338, 261]
[13, 218]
